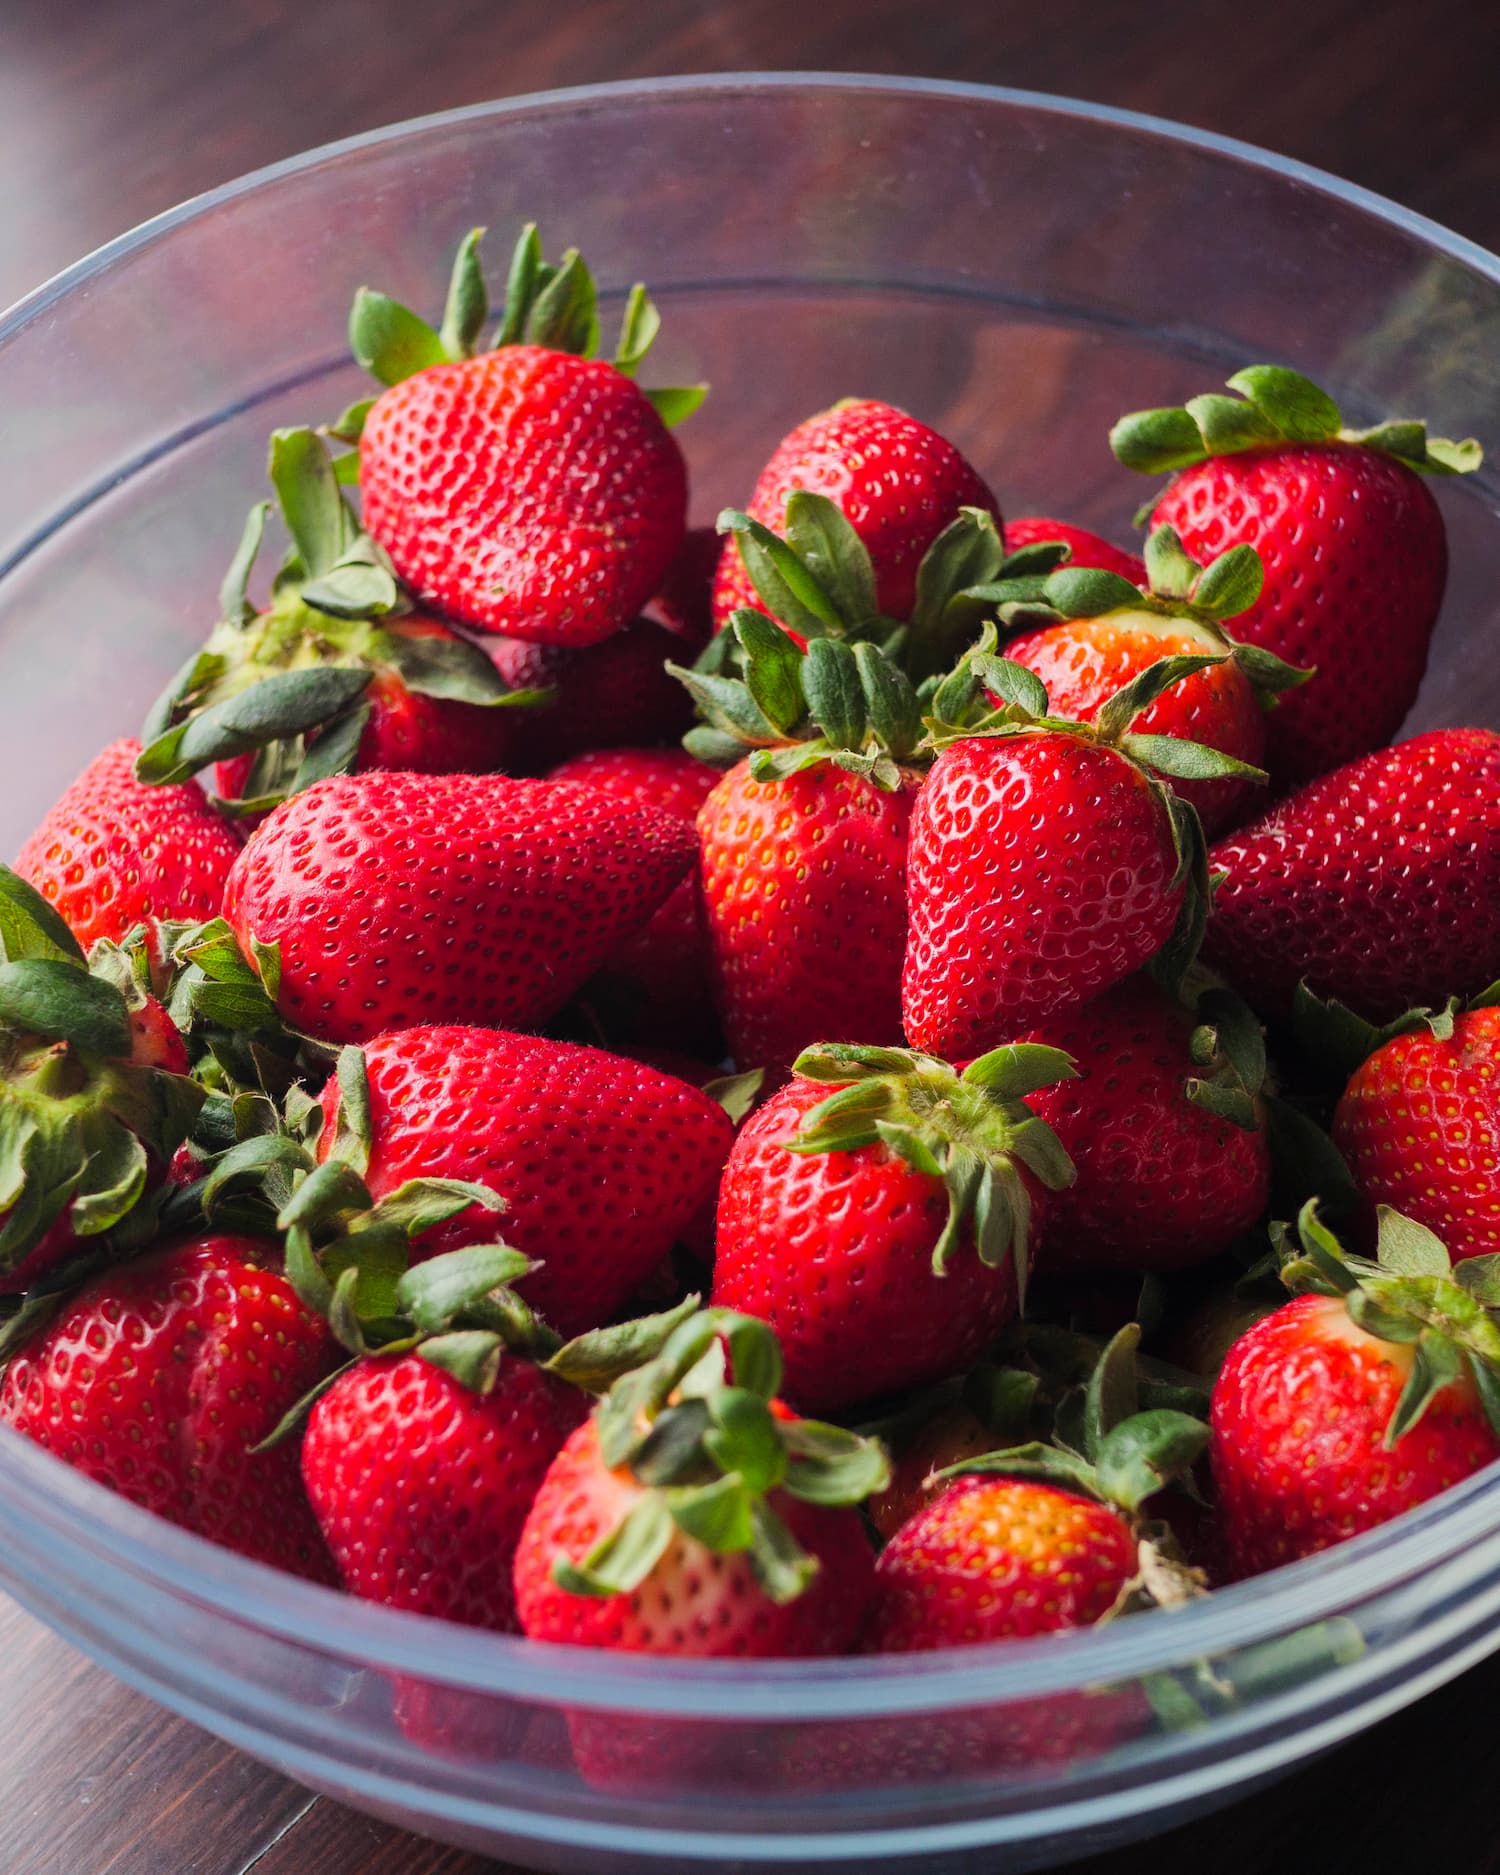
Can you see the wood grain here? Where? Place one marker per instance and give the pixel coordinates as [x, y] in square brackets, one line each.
[108, 115]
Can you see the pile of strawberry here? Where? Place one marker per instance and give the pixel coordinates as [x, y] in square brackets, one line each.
[734, 1093]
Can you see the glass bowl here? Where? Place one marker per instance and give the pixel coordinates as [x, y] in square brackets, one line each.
[1018, 270]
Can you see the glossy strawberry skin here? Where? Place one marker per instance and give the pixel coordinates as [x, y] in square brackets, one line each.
[834, 1251]
[1356, 559]
[803, 887]
[421, 1485]
[403, 899]
[1299, 1415]
[602, 1162]
[157, 1378]
[899, 483]
[111, 852]
[1088, 549]
[1162, 1183]
[998, 1559]
[1041, 871]
[1380, 884]
[1418, 1126]
[1084, 661]
[694, 1604]
[952, 1434]
[525, 491]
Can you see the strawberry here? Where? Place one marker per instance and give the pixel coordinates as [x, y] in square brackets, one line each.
[111, 853]
[881, 1213]
[899, 484]
[1372, 1391]
[1084, 548]
[683, 604]
[1109, 631]
[694, 1515]
[657, 982]
[531, 489]
[1417, 1125]
[337, 673]
[1378, 884]
[1046, 860]
[160, 1379]
[1353, 544]
[600, 1162]
[380, 901]
[1164, 1124]
[94, 1095]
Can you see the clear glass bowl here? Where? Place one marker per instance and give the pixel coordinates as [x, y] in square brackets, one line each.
[1018, 270]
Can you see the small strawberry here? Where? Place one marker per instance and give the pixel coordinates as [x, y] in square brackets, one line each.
[1109, 631]
[111, 853]
[1353, 544]
[1165, 1125]
[696, 1516]
[338, 673]
[531, 489]
[600, 1162]
[1377, 1388]
[881, 1213]
[94, 1095]
[1046, 860]
[1378, 884]
[161, 1378]
[1084, 548]
[899, 484]
[935, 1430]
[380, 901]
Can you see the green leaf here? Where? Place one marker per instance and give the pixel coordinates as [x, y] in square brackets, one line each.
[1157, 441]
[1047, 1463]
[671, 1450]
[638, 329]
[328, 1189]
[1111, 1396]
[743, 1438]
[389, 341]
[1020, 1068]
[1088, 592]
[287, 703]
[850, 1061]
[675, 403]
[623, 1560]
[29, 927]
[421, 1204]
[1292, 403]
[348, 427]
[819, 531]
[831, 1465]
[56, 1000]
[754, 1354]
[321, 527]
[468, 303]
[435, 1292]
[564, 315]
[1115, 715]
[968, 552]
[717, 1515]
[354, 1134]
[1227, 425]
[1231, 584]
[520, 285]
[782, 1567]
[471, 1355]
[1407, 1248]
[1015, 685]
[1448, 458]
[835, 695]
[1480, 1277]
[112, 1183]
[594, 1361]
[1170, 568]
[1146, 1452]
[1186, 761]
[773, 670]
[736, 1093]
[353, 589]
[727, 703]
[234, 603]
[305, 1274]
[1436, 1364]
[789, 590]
[894, 714]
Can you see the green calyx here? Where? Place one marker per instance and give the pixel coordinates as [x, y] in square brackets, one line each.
[291, 685]
[1411, 1294]
[1228, 1048]
[1273, 405]
[972, 1130]
[694, 1425]
[555, 306]
[81, 1123]
[1329, 1031]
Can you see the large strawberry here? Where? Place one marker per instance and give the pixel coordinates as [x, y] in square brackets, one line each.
[1110, 630]
[600, 1162]
[111, 853]
[94, 1094]
[337, 673]
[1165, 1126]
[898, 482]
[531, 489]
[1379, 884]
[882, 1211]
[381, 901]
[1377, 1388]
[1084, 548]
[1047, 861]
[1353, 544]
[161, 1379]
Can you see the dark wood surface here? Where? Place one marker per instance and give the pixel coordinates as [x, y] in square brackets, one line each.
[109, 114]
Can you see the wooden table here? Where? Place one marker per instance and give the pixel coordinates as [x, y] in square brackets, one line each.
[108, 115]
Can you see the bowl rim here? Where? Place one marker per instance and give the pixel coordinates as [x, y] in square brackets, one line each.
[74, 1509]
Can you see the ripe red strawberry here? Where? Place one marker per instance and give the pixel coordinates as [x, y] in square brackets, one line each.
[1324, 1426]
[1046, 862]
[1417, 1125]
[400, 899]
[1084, 548]
[755, 1549]
[886, 1258]
[159, 1378]
[601, 1162]
[528, 490]
[684, 603]
[898, 482]
[1353, 544]
[657, 982]
[1378, 885]
[1165, 1126]
[111, 853]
